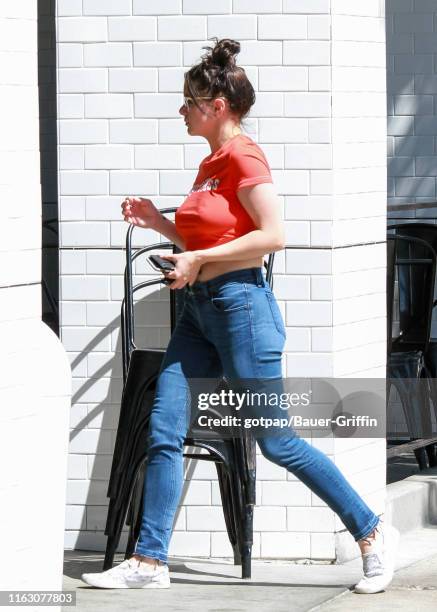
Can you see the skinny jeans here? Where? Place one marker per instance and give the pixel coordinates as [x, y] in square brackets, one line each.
[230, 326]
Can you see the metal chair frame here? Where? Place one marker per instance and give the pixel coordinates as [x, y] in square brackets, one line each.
[235, 459]
[406, 364]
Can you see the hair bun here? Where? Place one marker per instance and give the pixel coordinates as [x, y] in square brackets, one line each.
[223, 53]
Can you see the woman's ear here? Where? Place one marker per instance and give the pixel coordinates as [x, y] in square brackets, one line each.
[219, 106]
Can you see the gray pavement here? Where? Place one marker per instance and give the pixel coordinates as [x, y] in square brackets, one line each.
[214, 586]
[414, 589]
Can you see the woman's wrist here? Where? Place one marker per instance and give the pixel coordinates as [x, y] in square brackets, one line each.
[161, 222]
[200, 256]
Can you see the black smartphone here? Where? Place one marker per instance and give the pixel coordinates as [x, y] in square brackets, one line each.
[160, 264]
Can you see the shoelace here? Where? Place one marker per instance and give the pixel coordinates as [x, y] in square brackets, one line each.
[372, 565]
[123, 566]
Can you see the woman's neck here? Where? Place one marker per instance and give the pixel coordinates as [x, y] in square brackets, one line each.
[224, 133]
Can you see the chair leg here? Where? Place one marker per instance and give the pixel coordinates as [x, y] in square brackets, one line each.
[111, 547]
[246, 548]
[243, 519]
[421, 458]
[238, 519]
[432, 455]
[414, 404]
[227, 504]
[130, 548]
[119, 508]
[237, 555]
[246, 564]
[135, 512]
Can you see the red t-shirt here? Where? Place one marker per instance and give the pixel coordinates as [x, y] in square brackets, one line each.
[212, 214]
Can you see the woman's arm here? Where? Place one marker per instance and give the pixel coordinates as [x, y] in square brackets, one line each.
[168, 229]
[261, 203]
[143, 213]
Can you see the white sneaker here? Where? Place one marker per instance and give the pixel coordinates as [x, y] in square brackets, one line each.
[130, 575]
[378, 563]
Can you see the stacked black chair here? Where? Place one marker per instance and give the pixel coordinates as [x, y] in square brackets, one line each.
[427, 232]
[411, 263]
[234, 457]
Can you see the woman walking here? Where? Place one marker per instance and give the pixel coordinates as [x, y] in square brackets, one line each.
[230, 324]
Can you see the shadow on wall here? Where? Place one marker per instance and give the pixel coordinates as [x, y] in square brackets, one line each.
[411, 122]
[150, 309]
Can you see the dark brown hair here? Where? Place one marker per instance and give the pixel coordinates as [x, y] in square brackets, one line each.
[217, 74]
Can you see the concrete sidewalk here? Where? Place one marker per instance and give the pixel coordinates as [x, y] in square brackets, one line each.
[216, 586]
[413, 588]
[281, 587]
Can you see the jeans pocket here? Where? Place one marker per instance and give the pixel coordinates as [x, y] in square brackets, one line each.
[230, 299]
[276, 313]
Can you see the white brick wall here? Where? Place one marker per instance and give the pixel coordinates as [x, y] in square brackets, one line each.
[411, 80]
[319, 70]
[35, 381]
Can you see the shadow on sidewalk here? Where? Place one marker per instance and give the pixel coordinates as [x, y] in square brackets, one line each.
[401, 467]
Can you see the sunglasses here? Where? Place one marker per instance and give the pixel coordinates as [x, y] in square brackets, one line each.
[190, 102]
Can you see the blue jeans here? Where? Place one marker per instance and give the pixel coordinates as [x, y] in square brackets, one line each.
[231, 326]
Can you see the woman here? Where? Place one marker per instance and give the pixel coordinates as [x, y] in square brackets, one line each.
[230, 324]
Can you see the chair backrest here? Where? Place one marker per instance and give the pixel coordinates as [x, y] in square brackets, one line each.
[176, 297]
[411, 264]
[391, 244]
[424, 231]
[127, 315]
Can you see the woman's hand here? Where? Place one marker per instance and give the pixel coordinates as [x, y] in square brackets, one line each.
[141, 212]
[186, 270]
